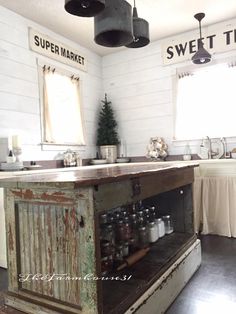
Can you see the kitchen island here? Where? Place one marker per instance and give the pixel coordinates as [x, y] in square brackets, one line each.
[53, 239]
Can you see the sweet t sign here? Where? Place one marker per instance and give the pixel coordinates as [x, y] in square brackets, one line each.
[53, 49]
[217, 38]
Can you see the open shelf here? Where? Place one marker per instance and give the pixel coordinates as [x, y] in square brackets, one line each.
[118, 296]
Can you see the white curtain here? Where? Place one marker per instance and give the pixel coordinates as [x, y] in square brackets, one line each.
[215, 205]
[206, 103]
[62, 109]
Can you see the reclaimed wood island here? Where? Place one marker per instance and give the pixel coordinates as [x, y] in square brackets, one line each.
[53, 229]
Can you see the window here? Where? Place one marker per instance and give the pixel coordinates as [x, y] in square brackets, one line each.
[62, 119]
[206, 103]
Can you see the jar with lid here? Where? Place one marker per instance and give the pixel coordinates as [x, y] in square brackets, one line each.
[141, 221]
[152, 232]
[140, 213]
[146, 211]
[107, 233]
[147, 218]
[152, 209]
[110, 219]
[133, 245]
[168, 224]
[117, 215]
[133, 217]
[106, 248]
[124, 213]
[106, 264]
[143, 237]
[118, 258]
[134, 230]
[161, 227]
[127, 231]
[125, 249]
[153, 212]
[103, 219]
[126, 219]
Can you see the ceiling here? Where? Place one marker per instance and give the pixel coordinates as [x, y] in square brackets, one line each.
[166, 17]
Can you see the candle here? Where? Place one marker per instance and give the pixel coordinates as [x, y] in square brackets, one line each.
[16, 141]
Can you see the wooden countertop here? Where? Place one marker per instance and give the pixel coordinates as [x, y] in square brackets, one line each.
[89, 175]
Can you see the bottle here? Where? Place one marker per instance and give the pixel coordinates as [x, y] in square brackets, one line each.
[143, 237]
[10, 157]
[152, 232]
[160, 226]
[187, 152]
[168, 224]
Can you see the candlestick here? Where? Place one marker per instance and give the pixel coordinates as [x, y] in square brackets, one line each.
[16, 141]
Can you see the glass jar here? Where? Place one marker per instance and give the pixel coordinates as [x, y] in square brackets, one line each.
[118, 257]
[110, 219]
[125, 249]
[143, 237]
[106, 264]
[146, 211]
[141, 221]
[161, 227]
[127, 231]
[140, 214]
[106, 248]
[168, 224]
[103, 219]
[117, 215]
[152, 232]
[147, 218]
[126, 219]
[133, 217]
[133, 245]
[123, 213]
[120, 231]
[108, 234]
[152, 210]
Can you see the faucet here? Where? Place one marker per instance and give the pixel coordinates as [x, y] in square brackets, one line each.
[210, 154]
[226, 154]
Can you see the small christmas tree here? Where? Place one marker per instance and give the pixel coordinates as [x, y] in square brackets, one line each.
[107, 125]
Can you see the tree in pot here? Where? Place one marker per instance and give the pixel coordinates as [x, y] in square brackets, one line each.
[107, 136]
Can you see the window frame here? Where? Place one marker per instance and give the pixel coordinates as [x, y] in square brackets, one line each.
[61, 70]
[191, 69]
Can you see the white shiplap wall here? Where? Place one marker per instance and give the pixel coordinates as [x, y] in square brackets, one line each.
[19, 91]
[141, 91]
[143, 95]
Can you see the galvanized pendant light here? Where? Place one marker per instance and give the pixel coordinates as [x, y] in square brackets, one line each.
[113, 26]
[201, 56]
[140, 31]
[86, 8]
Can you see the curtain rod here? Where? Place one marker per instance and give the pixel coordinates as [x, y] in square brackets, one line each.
[48, 68]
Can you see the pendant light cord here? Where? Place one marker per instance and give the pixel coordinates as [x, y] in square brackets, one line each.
[200, 27]
[134, 3]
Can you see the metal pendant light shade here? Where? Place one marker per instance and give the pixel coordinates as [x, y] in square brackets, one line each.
[113, 26]
[86, 8]
[140, 31]
[202, 55]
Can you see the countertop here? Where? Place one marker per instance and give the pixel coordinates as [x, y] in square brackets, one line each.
[89, 175]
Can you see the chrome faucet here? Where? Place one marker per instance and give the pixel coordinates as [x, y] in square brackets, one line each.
[208, 146]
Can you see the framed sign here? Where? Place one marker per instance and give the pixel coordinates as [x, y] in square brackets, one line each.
[53, 49]
[216, 38]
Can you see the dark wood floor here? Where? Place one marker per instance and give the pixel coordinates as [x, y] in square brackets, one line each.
[211, 290]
